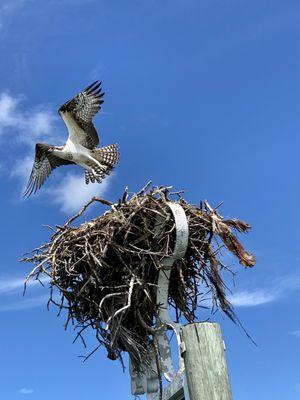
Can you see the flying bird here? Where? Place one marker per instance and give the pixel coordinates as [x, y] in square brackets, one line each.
[81, 145]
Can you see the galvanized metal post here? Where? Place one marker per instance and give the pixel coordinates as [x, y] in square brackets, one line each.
[205, 362]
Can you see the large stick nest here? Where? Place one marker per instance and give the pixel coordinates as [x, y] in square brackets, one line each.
[106, 270]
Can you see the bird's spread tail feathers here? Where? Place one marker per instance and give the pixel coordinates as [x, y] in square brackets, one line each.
[108, 157]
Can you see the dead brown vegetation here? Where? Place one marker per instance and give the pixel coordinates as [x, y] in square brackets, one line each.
[106, 269]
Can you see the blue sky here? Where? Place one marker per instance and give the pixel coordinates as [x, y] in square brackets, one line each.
[204, 95]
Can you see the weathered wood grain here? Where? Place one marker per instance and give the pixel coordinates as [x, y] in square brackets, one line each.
[205, 362]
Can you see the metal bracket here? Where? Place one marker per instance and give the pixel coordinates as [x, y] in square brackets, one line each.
[182, 236]
[139, 384]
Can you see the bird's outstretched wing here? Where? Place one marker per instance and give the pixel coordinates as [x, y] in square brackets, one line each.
[78, 112]
[44, 164]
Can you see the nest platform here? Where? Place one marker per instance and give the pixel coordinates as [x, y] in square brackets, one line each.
[103, 273]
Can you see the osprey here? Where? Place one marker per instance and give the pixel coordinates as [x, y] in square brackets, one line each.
[81, 146]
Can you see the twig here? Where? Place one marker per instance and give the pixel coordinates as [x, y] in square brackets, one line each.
[106, 270]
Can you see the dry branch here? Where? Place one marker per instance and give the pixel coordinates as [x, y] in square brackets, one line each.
[106, 269]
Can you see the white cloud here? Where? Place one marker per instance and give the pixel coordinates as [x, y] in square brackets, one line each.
[72, 192]
[289, 283]
[251, 298]
[7, 106]
[9, 285]
[11, 290]
[280, 288]
[24, 303]
[24, 390]
[26, 126]
[23, 168]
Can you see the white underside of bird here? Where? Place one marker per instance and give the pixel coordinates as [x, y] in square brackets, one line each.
[73, 150]
[78, 154]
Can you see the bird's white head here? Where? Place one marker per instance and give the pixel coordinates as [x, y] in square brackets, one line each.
[55, 148]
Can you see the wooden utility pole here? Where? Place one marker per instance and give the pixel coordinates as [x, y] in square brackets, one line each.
[205, 362]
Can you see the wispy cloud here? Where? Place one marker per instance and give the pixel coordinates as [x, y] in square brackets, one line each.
[255, 297]
[296, 333]
[25, 127]
[9, 8]
[25, 390]
[22, 170]
[251, 298]
[72, 192]
[24, 303]
[29, 125]
[11, 285]
[11, 290]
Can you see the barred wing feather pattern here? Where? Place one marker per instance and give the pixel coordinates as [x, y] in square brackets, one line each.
[81, 109]
[44, 164]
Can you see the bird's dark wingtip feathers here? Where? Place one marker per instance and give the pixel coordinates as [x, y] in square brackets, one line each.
[93, 87]
[90, 86]
[28, 191]
[31, 189]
